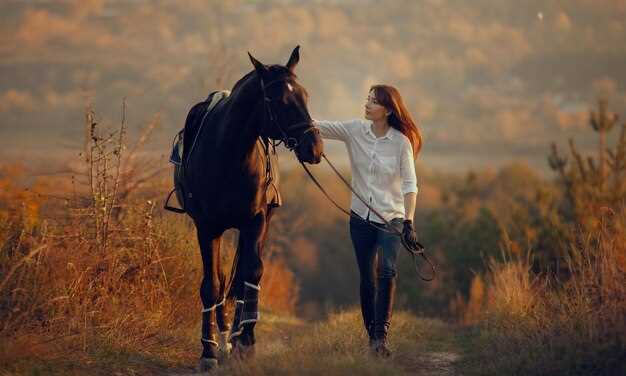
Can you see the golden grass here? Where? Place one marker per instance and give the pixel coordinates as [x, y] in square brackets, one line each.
[88, 271]
[285, 346]
[532, 325]
[102, 282]
[338, 346]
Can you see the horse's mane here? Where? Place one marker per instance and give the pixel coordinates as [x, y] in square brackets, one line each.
[243, 81]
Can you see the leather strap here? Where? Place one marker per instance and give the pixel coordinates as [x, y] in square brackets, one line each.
[419, 250]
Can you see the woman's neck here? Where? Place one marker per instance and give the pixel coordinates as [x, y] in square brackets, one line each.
[380, 127]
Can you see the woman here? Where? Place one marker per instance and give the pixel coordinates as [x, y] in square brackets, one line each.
[382, 150]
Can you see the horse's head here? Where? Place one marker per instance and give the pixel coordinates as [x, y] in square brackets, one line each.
[285, 109]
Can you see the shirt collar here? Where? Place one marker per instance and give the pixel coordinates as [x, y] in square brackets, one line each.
[368, 130]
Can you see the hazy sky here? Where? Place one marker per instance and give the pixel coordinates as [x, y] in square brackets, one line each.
[488, 81]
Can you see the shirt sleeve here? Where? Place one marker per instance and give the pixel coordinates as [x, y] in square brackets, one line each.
[336, 130]
[407, 169]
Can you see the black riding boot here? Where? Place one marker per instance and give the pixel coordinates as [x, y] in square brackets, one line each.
[367, 310]
[384, 306]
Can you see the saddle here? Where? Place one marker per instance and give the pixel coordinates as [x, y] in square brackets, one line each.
[191, 132]
[183, 146]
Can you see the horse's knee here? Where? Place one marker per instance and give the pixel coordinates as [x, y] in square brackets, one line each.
[256, 271]
[209, 291]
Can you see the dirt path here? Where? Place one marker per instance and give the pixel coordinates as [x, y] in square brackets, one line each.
[285, 346]
[431, 363]
[337, 347]
[427, 364]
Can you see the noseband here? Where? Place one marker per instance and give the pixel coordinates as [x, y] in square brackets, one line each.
[290, 143]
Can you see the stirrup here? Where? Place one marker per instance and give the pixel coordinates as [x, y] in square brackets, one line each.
[174, 209]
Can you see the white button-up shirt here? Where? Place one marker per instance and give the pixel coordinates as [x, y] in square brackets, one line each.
[383, 170]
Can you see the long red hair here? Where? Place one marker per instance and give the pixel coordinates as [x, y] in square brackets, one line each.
[399, 118]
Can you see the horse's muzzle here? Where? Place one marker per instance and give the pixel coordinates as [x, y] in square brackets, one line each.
[311, 148]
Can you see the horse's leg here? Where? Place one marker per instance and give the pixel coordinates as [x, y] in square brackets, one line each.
[223, 323]
[209, 241]
[246, 284]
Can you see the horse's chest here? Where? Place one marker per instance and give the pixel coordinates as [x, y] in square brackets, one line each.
[245, 194]
[233, 191]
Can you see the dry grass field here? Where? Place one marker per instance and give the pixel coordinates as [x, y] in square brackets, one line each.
[95, 278]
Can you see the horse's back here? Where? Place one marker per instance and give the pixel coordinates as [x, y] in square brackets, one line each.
[211, 184]
[197, 117]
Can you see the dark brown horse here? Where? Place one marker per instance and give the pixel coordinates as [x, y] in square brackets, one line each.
[225, 182]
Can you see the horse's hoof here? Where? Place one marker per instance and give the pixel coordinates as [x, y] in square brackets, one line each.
[225, 347]
[224, 354]
[243, 352]
[207, 364]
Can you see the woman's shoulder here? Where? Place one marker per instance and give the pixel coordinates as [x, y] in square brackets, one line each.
[401, 136]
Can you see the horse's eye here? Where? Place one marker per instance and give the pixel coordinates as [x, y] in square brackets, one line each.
[289, 86]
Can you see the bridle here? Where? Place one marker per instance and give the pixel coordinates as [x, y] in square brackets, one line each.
[290, 143]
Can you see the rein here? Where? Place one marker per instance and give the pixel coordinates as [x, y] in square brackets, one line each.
[292, 143]
[413, 251]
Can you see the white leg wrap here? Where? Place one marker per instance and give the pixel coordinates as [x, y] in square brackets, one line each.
[237, 328]
[246, 309]
[251, 319]
[209, 341]
[214, 306]
[236, 333]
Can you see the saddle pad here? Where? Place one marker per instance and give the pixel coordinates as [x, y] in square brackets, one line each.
[179, 140]
[216, 98]
[177, 149]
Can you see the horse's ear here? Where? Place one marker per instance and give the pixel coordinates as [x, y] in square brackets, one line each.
[258, 66]
[294, 58]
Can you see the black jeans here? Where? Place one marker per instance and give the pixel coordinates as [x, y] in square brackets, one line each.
[369, 242]
[376, 254]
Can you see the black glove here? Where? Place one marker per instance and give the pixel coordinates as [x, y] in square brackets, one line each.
[408, 233]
